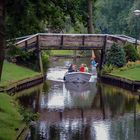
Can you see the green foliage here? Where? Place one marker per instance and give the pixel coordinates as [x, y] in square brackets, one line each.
[10, 119]
[45, 60]
[13, 52]
[132, 73]
[107, 69]
[28, 115]
[29, 17]
[61, 52]
[116, 56]
[78, 27]
[116, 17]
[131, 53]
[23, 17]
[12, 73]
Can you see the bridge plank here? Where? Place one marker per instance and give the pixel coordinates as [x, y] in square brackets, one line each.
[71, 41]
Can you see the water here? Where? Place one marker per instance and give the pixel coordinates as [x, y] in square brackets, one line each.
[89, 111]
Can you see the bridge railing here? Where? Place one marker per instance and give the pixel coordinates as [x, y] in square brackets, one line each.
[72, 41]
[28, 43]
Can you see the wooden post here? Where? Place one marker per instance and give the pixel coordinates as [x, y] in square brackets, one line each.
[40, 62]
[103, 54]
[39, 55]
[26, 44]
[62, 42]
[83, 40]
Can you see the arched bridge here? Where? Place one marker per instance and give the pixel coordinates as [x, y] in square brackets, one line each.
[47, 41]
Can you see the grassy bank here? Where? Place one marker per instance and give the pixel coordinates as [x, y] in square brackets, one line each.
[132, 73]
[12, 73]
[10, 119]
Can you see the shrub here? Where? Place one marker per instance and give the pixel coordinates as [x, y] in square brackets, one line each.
[45, 61]
[107, 69]
[14, 52]
[28, 115]
[131, 53]
[116, 56]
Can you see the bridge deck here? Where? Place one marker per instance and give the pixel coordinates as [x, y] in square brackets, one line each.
[71, 41]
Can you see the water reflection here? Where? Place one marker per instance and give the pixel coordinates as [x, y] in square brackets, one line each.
[64, 95]
[89, 111]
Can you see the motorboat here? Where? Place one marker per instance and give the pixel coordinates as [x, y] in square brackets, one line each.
[79, 77]
[77, 87]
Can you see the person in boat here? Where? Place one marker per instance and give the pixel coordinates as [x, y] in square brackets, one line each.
[82, 68]
[72, 68]
[85, 68]
[93, 65]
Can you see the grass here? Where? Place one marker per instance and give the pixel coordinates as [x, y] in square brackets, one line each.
[62, 52]
[12, 73]
[10, 119]
[132, 74]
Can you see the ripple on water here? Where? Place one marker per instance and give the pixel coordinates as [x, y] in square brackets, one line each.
[56, 74]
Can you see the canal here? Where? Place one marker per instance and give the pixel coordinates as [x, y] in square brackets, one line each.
[89, 111]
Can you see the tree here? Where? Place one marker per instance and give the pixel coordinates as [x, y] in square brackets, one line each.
[112, 16]
[2, 34]
[90, 27]
[116, 56]
[131, 52]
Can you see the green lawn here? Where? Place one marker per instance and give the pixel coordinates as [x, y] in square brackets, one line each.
[10, 119]
[62, 52]
[132, 74]
[12, 73]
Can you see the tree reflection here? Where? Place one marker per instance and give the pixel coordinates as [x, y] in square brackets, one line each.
[103, 109]
[116, 101]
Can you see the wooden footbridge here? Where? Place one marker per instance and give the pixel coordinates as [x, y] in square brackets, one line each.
[47, 41]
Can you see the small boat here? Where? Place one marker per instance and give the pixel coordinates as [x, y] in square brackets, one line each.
[77, 87]
[79, 77]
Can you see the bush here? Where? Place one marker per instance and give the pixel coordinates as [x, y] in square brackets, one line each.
[107, 69]
[116, 56]
[131, 53]
[45, 61]
[13, 52]
[28, 115]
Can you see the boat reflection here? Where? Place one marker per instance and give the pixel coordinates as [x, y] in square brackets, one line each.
[72, 95]
[77, 87]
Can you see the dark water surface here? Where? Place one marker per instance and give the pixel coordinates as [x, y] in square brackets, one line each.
[89, 111]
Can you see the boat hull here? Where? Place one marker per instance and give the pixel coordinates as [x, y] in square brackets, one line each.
[77, 77]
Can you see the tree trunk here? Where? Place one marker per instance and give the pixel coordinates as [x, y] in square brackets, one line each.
[2, 34]
[90, 27]
[90, 14]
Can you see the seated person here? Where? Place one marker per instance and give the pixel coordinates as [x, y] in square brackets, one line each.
[85, 68]
[82, 68]
[72, 68]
